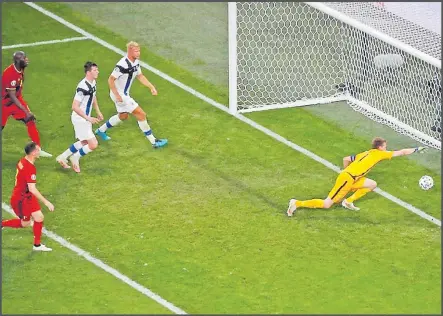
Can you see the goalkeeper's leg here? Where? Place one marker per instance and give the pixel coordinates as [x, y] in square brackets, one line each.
[361, 188]
[342, 186]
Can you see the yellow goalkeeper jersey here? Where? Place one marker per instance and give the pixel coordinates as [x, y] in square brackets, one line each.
[363, 162]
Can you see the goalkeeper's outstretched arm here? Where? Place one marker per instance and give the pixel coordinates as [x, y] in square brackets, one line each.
[408, 151]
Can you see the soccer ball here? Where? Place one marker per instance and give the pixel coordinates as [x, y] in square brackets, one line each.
[426, 182]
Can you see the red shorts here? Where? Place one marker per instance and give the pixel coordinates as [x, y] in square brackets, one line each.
[25, 206]
[13, 110]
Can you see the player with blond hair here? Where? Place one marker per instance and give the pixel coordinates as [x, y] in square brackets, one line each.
[352, 178]
[120, 82]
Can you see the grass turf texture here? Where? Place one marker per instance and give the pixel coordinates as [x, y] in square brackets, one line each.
[206, 214]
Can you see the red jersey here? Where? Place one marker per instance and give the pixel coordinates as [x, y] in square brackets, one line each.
[12, 79]
[26, 173]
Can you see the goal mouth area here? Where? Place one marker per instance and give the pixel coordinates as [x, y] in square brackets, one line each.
[358, 106]
[301, 102]
[284, 55]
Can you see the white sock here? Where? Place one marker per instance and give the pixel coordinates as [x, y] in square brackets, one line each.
[113, 121]
[82, 152]
[146, 129]
[72, 150]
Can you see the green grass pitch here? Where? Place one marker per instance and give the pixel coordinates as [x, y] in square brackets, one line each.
[202, 221]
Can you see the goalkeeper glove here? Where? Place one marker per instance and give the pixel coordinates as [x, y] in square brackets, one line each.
[420, 149]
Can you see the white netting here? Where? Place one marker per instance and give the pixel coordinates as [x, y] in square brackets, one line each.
[280, 56]
[415, 24]
[288, 52]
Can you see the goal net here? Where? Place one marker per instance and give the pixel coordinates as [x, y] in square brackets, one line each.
[384, 62]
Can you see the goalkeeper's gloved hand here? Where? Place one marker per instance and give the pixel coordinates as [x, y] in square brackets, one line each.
[421, 149]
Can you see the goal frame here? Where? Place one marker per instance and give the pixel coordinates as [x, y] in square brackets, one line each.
[340, 96]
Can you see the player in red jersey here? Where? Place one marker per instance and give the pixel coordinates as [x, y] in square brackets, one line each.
[25, 196]
[13, 103]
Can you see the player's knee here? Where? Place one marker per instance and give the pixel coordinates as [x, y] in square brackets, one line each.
[93, 144]
[328, 203]
[38, 216]
[123, 116]
[140, 115]
[372, 185]
[26, 223]
[30, 123]
[143, 115]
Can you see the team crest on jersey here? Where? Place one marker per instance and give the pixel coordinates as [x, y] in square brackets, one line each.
[13, 82]
[33, 177]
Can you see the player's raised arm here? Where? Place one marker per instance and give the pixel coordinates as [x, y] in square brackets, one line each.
[407, 151]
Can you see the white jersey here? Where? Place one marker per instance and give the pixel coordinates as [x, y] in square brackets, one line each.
[85, 94]
[125, 72]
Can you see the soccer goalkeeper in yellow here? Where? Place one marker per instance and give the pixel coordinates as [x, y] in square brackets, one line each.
[352, 178]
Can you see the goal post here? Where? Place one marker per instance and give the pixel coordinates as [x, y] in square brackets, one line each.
[232, 30]
[287, 54]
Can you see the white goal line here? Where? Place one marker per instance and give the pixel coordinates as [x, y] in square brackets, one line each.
[70, 39]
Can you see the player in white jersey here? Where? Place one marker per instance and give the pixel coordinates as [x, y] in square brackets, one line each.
[84, 99]
[120, 81]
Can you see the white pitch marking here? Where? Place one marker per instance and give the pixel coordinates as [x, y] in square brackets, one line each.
[71, 39]
[105, 267]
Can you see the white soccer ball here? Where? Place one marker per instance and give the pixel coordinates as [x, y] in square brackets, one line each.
[426, 182]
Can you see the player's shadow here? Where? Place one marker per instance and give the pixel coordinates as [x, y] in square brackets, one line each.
[11, 247]
[25, 257]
